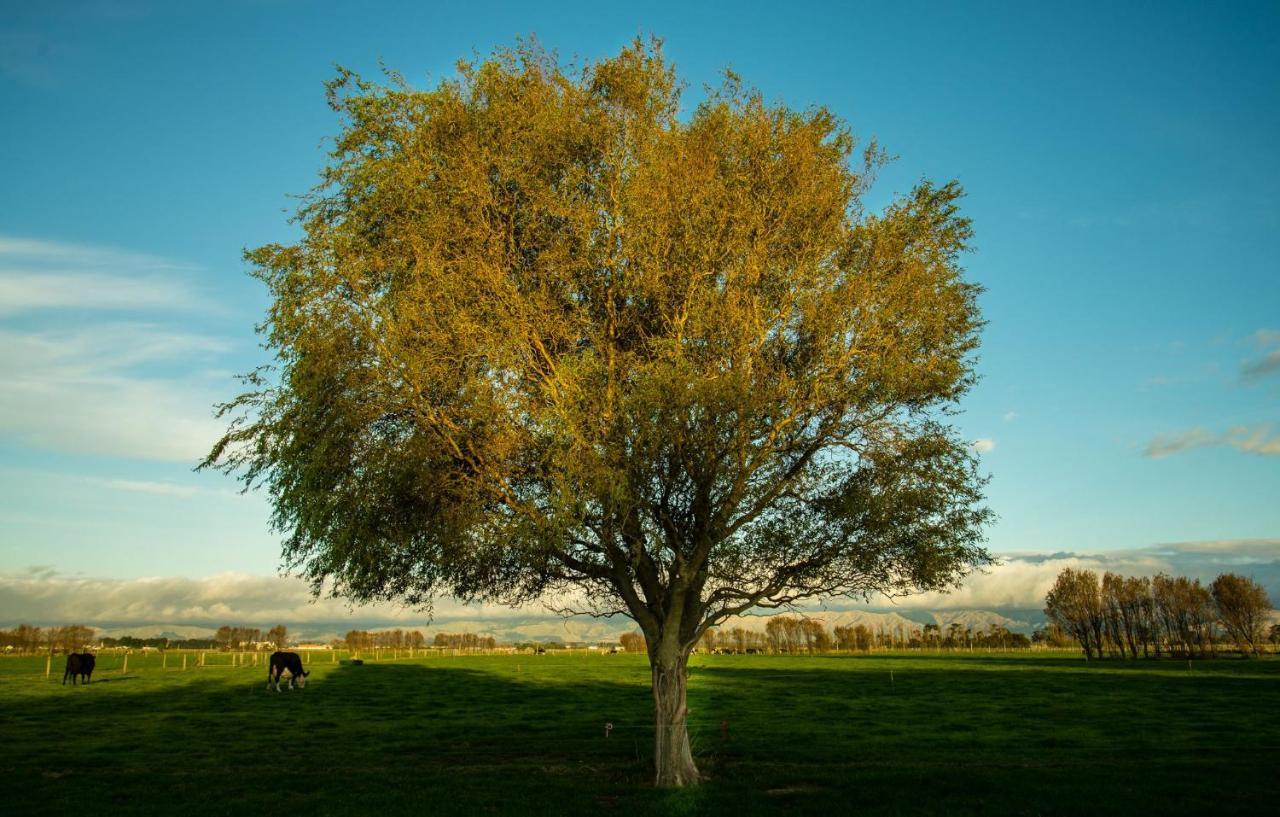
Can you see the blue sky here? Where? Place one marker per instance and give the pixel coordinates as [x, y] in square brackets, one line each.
[1120, 162]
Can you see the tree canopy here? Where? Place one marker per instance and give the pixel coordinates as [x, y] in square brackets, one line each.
[547, 336]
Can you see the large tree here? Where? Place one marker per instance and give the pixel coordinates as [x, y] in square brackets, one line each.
[546, 336]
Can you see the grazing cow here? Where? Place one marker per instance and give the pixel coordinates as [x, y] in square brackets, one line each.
[282, 661]
[79, 666]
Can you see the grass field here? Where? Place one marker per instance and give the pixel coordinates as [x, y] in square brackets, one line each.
[1015, 733]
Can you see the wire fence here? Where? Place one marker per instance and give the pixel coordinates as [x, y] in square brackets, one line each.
[120, 661]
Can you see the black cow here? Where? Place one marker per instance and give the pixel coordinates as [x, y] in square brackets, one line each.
[282, 661]
[79, 666]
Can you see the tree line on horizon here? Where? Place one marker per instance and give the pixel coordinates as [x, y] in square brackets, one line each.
[800, 635]
[234, 639]
[1157, 616]
[28, 639]
[357, 640]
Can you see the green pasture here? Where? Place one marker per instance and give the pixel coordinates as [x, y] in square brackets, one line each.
[886, 734]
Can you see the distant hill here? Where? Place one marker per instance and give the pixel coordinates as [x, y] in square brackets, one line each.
[980, 620]
[171, 631]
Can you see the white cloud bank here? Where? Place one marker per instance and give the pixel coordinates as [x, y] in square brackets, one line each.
[42, 596]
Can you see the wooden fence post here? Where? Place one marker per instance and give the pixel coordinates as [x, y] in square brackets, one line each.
[125, 668]
[48, 664]
[164, 660]
[184, 661]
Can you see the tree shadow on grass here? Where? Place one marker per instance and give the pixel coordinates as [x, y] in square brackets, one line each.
[390, 737]
[799, 738]
[997, 661]
[1016, 741]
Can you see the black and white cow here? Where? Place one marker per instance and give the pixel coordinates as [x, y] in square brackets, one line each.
[79, 666]
[282, 662]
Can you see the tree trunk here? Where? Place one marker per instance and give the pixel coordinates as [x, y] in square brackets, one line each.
[672, 756]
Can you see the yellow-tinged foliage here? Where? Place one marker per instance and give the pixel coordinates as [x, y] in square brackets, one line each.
[547, 332]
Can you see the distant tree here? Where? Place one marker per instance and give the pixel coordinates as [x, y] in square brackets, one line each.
[1125, 612]
[1186, 614]
[1113, 627]
[709, 640]
[816, 637]
[862, 638]
[955, 635]
[932, 636]
[223, 637]
[632, 642]
[1273, 634]
[1074, 603]
[1135, 613]
[278, 636]
[1243, 608]
[1052, 635]
[67, 639]
[775, 630]
[24, 638]
[844, 638]
[357, 641]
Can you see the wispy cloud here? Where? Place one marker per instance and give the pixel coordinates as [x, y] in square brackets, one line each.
[1162, 445]
[106, 386]
[983, 445]
[1264, 366]
[85, 391]
[1248, 439]
[1269, 362]
[149, 487]
[1255, 440]
[40, 275]
[1010, 416]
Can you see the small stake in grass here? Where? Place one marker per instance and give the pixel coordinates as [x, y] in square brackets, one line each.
[184, 661]
[608, 727]
[724, 730]
[48, 663]
[125, 668]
